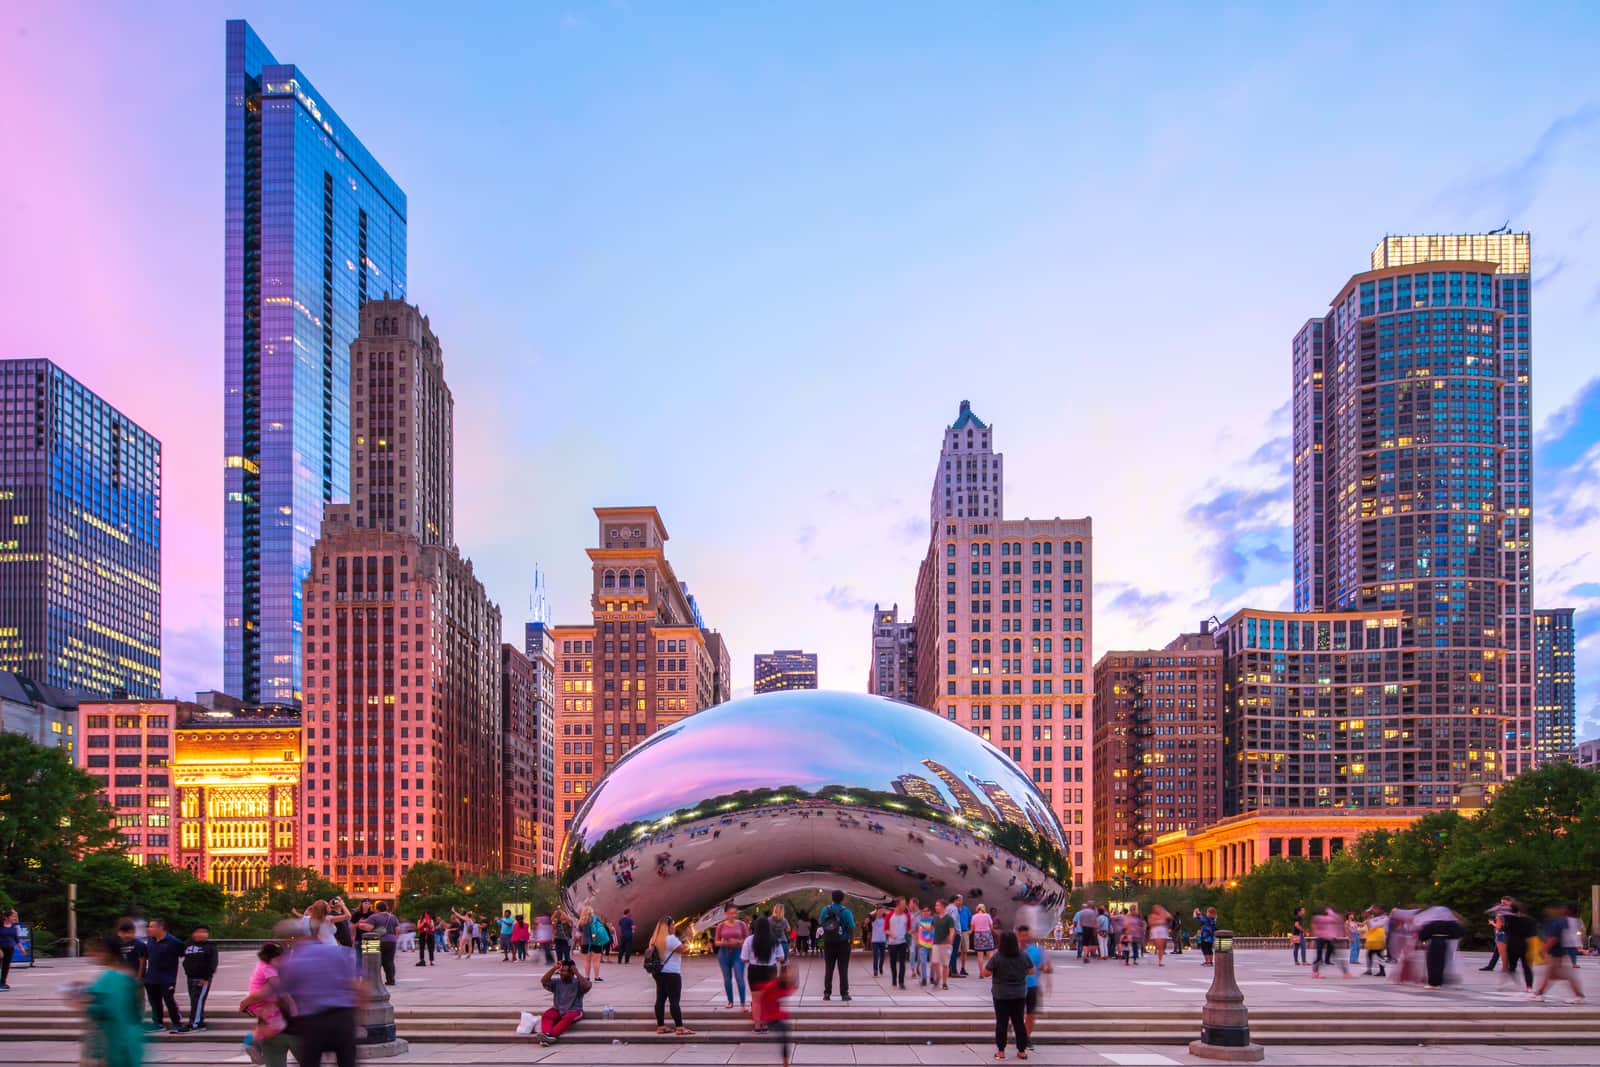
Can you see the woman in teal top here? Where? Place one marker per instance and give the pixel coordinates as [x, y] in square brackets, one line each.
[115, 1037]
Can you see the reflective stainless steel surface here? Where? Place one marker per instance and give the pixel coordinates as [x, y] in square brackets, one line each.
[829, 789]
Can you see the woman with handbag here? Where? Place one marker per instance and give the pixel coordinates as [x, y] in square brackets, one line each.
[665, 965]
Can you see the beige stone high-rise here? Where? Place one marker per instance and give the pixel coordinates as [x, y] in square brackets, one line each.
[1004, 629]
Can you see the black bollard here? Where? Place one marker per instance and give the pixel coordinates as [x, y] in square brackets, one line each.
[1224, 1022]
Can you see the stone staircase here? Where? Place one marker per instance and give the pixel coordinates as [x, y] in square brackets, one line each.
[1520, 1024]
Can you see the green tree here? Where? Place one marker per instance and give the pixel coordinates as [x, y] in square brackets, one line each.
[51, 813]
[109, 887]
[1265, 898]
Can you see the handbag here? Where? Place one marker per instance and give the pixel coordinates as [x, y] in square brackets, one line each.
[654, 961]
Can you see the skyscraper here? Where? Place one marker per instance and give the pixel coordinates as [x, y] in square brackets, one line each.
[519, 777]
[785, 668]
[540, 647]
[80, 537]
[1412, 482]
[643, 662]
[1157, 749]
[892, 673]
[314, 228]
[404, 739]
[1555, 699]
[1029, 648]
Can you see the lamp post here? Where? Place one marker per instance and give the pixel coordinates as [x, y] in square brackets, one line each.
[376, 1013]
[1224, 1022]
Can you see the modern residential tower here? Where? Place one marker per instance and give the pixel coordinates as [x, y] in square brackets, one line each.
[1555, 691]
[1004, 628]
[80, 537]
[785, 668]
[314, 229]
[1412, 492]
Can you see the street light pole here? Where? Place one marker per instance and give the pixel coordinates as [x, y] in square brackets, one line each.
[72, 920]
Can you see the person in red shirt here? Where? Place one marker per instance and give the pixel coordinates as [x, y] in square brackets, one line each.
[771, 1014]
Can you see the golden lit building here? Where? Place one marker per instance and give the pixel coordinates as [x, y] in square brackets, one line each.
[235, 778]
[1221, 852]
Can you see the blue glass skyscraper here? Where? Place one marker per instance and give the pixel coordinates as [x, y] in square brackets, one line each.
[314, 228]
[80, 537]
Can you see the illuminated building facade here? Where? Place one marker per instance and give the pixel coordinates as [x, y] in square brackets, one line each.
[1555, 693]
[785, 668]
[539, 645]
[1004, 628]
[893, 673]
[1226, 850]
[403, 736]
[645, 661]
[314, 228]
[80, 537]
[1332, 710]
[1412, 480]
[236, 790]
[1157, 749]
[126, 745]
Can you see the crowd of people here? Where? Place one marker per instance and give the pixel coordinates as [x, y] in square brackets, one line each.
[306, 986]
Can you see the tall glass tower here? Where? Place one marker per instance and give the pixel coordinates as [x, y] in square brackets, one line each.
[314, 228]
[80, 537]
[1412, 492]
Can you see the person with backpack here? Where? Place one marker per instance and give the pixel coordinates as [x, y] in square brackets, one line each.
[836, 926]
[593, 937]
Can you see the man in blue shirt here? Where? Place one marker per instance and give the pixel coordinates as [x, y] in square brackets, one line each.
[1041, 965]
[964, 935]
[625, 936]
[324, 982]
[162, 954]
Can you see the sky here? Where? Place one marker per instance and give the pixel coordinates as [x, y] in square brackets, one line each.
[743, 261]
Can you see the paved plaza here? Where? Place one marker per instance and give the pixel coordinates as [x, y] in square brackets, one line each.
[464, 1011]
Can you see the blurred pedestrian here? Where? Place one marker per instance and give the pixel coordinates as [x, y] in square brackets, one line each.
[111, 1002]
[1560, 968]
[324, 986]
[270, 1037]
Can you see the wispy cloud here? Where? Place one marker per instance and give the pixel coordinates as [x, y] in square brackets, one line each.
[1511, 191]
[843, 598]
[1139, 606]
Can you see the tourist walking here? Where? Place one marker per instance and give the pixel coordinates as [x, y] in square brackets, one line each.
[8, 946]
[199, 967]
[519, 939]
[774, 1017]
[625, 936]
[324, 983]
[899, 926]
[566, 988]
[1376, 939]
[426, 929]
[923, 953]
[1160, 931]
[665, 965]
[983, 935]
[1438, 930]
[728, 938]
[383, 923]
[1517, 929]
[837, 926]
[111, 1003]
[1297, 937]
[781, 931]
[943, 938]
[1497, 923]
[161, 955]
[561, 931]
[1087, 922]
[878, 932]
[759, 956]
[270, 1037]
[1041, 967]
[1560, 967]
[1009, 969]
[1132, 936]
[1325, 928]
[1205, 935]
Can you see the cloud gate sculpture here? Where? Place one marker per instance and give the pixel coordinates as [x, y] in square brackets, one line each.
[768, 794]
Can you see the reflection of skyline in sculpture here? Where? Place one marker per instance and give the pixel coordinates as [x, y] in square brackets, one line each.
[967, 801]
[819, 787]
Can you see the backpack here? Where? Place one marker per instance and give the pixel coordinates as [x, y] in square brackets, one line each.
[598, 933]
[833, 928]
[653, 960]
